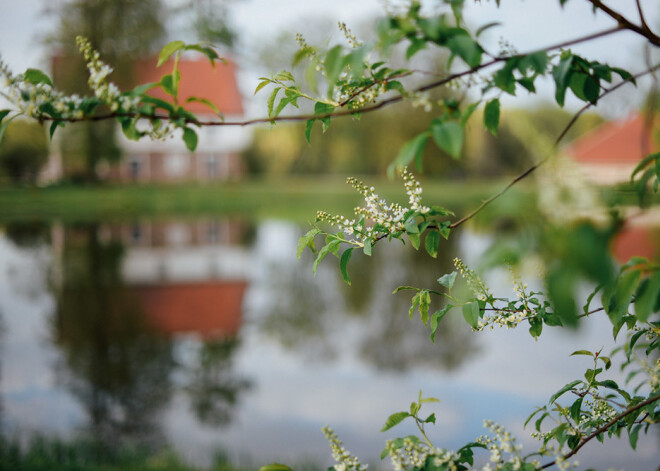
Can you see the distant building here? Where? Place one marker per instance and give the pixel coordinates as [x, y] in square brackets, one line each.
[218, 151]
[609, 153]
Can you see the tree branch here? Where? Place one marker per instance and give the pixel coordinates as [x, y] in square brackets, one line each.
[337, 114]
[604, 428]
[626, 23]
[557, 141]
[641, 14]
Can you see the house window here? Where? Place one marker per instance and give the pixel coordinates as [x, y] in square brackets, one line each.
[213, 233]
[134, 168]
[212, 167]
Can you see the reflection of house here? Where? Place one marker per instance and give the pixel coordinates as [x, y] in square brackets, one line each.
[181, 277]
[610, 152]
[217, 156]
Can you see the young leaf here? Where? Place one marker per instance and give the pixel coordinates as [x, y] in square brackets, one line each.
[449, 137]
[492, 116]
[275, 467]
[415, 240]
[307, 240]
[343, 264]
[394, 419]
[328, 248]
[436, 318]
[168, 50]
[309, 126]
[471, 314]
[448, 280]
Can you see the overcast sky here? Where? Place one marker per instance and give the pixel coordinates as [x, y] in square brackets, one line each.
[526, 24]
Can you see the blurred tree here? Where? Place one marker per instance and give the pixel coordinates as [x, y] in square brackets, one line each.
[24, 151]
[121, 30]
[210, 21]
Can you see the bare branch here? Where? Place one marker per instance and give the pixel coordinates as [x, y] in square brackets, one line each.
[641, 15]
[626, 23]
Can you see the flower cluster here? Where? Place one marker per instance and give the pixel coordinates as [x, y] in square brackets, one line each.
[385, 218]
[352, 40]
[503, 442]
[414, 454]
[345, 460]
[31, 98]
[475, 283]
[516, 312]
[105, 91]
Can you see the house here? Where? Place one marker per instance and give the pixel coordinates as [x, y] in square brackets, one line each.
[217, 156]
[608, 154]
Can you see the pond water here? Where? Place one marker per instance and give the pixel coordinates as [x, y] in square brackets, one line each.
[209, 337]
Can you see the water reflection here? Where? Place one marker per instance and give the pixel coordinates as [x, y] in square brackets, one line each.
[207, 334]
[117, 329]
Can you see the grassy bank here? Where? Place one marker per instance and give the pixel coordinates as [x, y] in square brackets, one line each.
[290, 198]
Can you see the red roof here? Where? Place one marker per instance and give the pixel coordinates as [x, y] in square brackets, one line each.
[210, 309]
[636, 241]
[622, 142]
[198, 79]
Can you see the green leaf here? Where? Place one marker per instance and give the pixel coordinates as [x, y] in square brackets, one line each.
[309, 126]
[190, 138]
[647, 296]
[367, 248]
[209, 52]
[466, 48]
[535, 327]
[448, 280]
[582, 352]
[492, 116]
[644, 162]
[284, 76]
[168, 50]
[307, 240]
[537, 61]
[36, 76]
[471, 314]
[617, 298]
[275, 467]
[562, 74]
[430, 419]
[486, 27]
[206, 102]
[167, 82]
[569, 387]
[576, 410]
[449, 137]
[404, 288]
[412, 149]
[633, 435]
[3, 114]
[271, 100]
[394, 419]
[414, 303]
[262, 84]
[334, 63]
[436, 318]
[330, 247]
[424, 303]
[343, 264]
[415, 239]
[431, 243]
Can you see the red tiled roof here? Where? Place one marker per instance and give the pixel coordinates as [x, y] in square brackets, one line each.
[198, 79]
[635, 241]
[623, 142]
[207, 308]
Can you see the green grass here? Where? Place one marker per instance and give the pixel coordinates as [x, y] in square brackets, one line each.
[291, 198]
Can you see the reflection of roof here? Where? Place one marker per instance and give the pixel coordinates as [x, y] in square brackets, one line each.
[623, 142]
[208, 308]
[198, 79]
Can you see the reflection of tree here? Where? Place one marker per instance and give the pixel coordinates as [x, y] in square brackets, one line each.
[28, 234]
[315, 314]
[214, 389]
[118, 370]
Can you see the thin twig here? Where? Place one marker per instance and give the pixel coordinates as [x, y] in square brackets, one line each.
[604, 428]
[641, 14]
